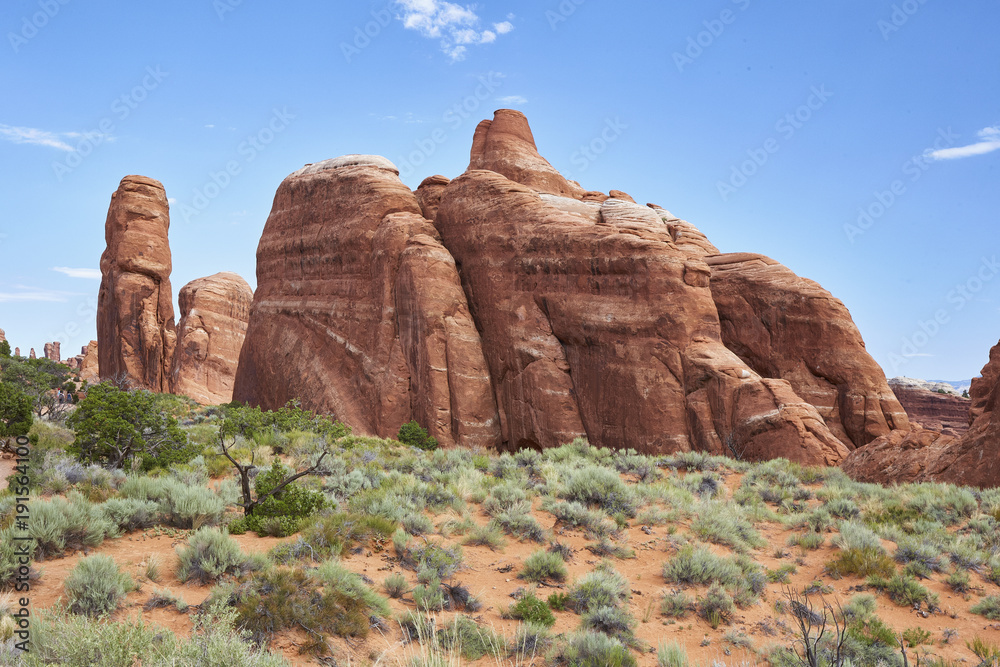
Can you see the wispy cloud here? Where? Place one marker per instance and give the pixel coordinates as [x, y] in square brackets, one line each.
[989, 141]
[92, 274]
[457, 27]
[28, 294]
[512, 100]
[57, 140]
[30, 135]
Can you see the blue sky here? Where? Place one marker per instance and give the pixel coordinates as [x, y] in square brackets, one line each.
[855, 141]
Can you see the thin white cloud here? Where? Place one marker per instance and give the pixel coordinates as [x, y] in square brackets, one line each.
[989, 141]
[918, 354]
[57, 140]
[456, 27]
[29, 294]
[512, 100]
[91, 274]
[35, 137]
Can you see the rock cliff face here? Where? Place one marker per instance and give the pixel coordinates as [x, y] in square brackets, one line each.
[947, 413]
[90, 364]
[214, 313]
[135, 313]
[510, 307]
[929, 456]
[359, 311]
[784, 326]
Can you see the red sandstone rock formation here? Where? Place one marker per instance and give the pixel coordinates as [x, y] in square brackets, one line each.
[51, 352]
[506, 145]
[359, 311]
[214, 313]
[947, 413]
[135, 313]
[89, 365]
[17, 352]
[594, 323]
[31, 355]
[531, 312]
[3, 336]
[784, 326]
[925, 456]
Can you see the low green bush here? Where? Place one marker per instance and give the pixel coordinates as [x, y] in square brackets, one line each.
[96, 586]
[209, 554]
[604, 587]
[593, 649]
[543, 566]
[989, 607]
[530, 609]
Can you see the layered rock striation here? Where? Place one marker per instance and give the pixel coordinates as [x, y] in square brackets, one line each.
[359, 310]
[510, 307]
[135, 312]
[214, 314]
[921, 455]
[938, 410]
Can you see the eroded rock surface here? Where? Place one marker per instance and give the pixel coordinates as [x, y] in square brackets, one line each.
[928, 456]
[214, 314]
[930, 409]
[784, 326]
[135, 312]
[359, 311]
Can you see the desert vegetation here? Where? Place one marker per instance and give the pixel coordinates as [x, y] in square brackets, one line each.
[269, 538]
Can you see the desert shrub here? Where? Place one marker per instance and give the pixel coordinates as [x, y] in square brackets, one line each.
[577, 515]
[593, 649]
[807, 541]
[612, 621]
[471, 640]
[529, 640]
[860, 607]
[130, 514]
[558, 601]
[432, 559]
[96, 586]
[184, 506]
[600, 487]
[676, 604]
[530, 609]
[278, 599]
[989, 607]
[967, 557]
[698, 565]
[417, 524]
[604, 587]
[412, 434]
[913, 550]
[843, 508]
[350, 585]
[486, 536]
[716, 606]
[11, 554]
[395, 585]
[74, 523]
[782, 574]
[521, 525]
[958, 581]
[504, 497]
[606, 548]
[914, 637]
[429, 596]
[671, 655]
[543, 566]
[856, 535]
[210, 553]
[903, 590]
[332, 534]
[725, 524]
[861, 563]
[870, 641]
[986, 651]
